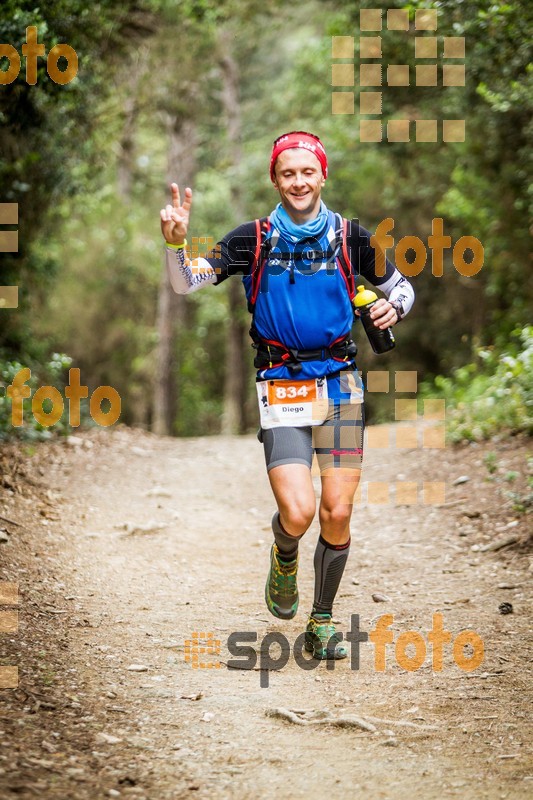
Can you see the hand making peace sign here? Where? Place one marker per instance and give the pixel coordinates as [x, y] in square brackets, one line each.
[175, 217]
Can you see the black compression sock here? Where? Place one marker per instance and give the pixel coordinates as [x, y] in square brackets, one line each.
[329, 562]
[286, 544]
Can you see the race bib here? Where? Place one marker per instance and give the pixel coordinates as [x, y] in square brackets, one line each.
[293, 403]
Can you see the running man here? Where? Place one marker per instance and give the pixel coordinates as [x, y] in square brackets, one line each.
[298, 268]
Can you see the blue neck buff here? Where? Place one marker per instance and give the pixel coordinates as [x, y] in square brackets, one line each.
[294, 233]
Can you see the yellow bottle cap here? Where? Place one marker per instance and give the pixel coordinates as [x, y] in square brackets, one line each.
[364, 297]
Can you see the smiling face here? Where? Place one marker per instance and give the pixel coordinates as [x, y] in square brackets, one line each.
[299, 181]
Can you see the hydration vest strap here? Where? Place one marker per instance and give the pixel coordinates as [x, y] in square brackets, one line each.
[343, 258]
[271, 353]
[262, 227]
[275, 354]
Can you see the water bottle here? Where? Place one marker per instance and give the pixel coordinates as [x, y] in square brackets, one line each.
[381, 340]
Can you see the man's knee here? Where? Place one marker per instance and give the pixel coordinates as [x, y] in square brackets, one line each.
[337, 515]
[297, 517]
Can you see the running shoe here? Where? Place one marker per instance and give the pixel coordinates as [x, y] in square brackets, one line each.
[281, 590]
[322, 640]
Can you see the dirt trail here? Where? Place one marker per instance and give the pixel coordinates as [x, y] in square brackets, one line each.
[97, 597]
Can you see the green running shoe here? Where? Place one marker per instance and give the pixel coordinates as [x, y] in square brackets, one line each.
[281, 591]
[322, 640]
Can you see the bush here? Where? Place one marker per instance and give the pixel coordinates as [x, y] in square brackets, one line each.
[51, 373]
[491, 395]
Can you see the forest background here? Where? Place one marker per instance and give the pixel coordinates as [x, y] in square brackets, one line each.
[196, 91]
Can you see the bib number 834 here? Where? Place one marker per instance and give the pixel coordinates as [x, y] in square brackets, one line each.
[284, 392]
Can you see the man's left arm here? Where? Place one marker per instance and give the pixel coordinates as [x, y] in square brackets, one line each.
[400, 297]
[375, 267]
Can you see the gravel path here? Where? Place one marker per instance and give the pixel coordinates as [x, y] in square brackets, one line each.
[132, 543]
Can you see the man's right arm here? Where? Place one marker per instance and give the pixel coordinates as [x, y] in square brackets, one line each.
[232, 255]
[187, 276]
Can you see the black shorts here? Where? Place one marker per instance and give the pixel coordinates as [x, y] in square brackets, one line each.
[337, 442]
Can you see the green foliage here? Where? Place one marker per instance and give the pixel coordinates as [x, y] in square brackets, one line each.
[52, 373]
[102, 307]
[50, 144]
[521, 497]
[522, 502]
[491, 395]
[90, 259]
[490, 462]
[511, 475]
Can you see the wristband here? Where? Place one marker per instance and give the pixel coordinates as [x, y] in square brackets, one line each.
[177, 246]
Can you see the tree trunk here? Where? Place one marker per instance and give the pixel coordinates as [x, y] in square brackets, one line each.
[236, 382]
[171, 306]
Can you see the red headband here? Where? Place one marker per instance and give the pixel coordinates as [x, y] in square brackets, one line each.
[299, 139]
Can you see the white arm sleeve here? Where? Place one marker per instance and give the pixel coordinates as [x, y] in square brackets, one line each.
[398, 290]
[187, 278]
